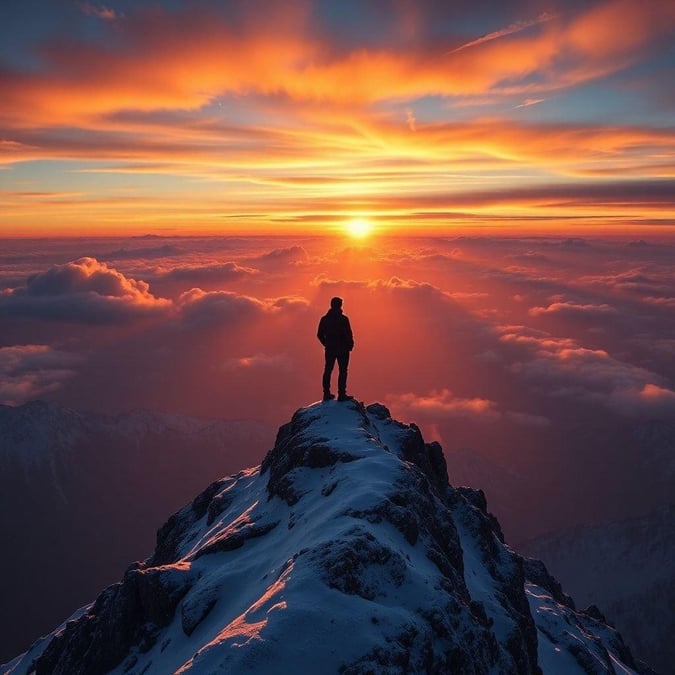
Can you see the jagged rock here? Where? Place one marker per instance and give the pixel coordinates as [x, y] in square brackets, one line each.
[197, 607]
[234, 538]
[294, 449]
[360, 565]
[381, 567]
[128, 614]
[537, 573]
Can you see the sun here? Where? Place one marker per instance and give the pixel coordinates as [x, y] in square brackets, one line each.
[358, 228]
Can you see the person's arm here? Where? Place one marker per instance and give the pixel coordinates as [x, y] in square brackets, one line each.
[350, 335]
[321, 333]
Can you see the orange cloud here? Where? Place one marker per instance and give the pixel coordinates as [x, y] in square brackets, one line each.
[84, 291]
[573, 309]
[444, 403]
[618, 28]
[183, 60]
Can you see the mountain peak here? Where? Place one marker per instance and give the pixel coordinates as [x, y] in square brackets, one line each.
[324, 434]
[346, 551]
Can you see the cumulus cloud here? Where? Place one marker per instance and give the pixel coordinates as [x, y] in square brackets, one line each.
[651, 400]
[30, 371]
[573, 309]
[439, 405]
[444, 403]
[660, 302]
[83, 291]
[216, 306]
[561, 367]
[201, 307]
[539, 341]
[393, 283]
[652, 392]
[290, 255]
[655, 282]
[205, 274]
[288, 302]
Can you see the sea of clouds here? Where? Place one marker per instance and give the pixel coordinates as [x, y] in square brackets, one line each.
[541, 364]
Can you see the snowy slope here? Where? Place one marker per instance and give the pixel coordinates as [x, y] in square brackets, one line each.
[345, 551]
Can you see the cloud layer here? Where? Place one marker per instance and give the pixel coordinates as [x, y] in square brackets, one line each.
[546, 358]
[84, 291]
[28, 372]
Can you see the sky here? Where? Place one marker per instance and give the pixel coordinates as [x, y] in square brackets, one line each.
[489, 185]
[254, 117]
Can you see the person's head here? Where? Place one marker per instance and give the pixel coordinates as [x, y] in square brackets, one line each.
[336, 303]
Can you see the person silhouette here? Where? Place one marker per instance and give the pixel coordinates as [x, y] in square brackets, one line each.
[335, 334]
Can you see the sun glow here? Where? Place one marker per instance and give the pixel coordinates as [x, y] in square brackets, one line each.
[358, 228]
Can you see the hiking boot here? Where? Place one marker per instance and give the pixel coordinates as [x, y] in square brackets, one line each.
[327, 396]
[345, 397]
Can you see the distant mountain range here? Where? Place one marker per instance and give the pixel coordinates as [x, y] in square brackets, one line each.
[628, 570]
[81, 495]
[345, 551]
[589, 475]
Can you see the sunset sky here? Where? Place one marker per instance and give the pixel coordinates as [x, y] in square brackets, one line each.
[489, 185]
[297, 116]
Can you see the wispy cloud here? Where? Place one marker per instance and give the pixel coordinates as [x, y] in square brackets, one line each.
[99, 11]
[410, 119]
[530, 101]
[516, 27]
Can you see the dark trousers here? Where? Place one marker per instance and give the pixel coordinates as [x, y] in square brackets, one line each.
[343, 362]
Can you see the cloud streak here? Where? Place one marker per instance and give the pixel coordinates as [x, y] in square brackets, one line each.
[509, 30]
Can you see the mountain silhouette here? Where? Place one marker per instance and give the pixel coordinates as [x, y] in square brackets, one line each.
[345, 551]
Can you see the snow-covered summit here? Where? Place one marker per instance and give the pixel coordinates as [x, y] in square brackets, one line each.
[345, 551]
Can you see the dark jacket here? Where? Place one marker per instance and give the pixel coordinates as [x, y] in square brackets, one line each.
[335, 333]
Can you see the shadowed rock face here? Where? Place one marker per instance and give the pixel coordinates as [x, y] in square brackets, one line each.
[348, 528]
[124, 615]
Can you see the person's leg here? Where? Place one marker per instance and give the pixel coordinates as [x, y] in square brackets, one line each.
[328, 371]
[343, 364]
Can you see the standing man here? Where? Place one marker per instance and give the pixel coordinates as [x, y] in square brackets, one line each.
[335, 334]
